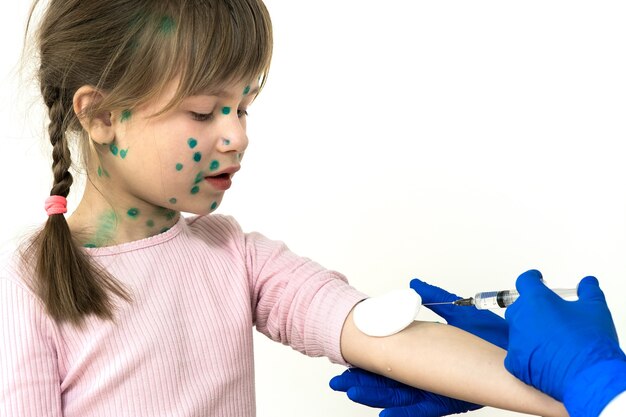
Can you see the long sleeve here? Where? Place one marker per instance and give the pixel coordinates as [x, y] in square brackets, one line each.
[295, 300]
[29, 376]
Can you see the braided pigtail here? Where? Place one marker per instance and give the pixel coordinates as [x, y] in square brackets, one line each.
[69, 284]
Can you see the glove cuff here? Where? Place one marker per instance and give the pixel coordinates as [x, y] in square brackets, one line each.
[595, 387]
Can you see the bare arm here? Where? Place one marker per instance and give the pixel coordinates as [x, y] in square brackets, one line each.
[448, 361]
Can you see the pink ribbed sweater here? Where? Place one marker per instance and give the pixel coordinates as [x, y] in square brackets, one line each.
[183, 348]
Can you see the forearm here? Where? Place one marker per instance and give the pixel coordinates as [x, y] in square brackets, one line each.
[445, 360]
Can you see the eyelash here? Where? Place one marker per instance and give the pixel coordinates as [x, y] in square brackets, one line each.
[201, 117]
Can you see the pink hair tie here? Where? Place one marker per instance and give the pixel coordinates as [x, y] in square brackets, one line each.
[56, 204]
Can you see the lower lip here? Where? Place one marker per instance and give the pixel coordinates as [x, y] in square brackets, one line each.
[219, 183]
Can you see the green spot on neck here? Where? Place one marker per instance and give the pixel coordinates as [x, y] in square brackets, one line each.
[173, 201]
[179, 167]
[226, 110]
[90, 245]
[114, 149]
[150, 223]
[170, 214]
[195, 190]
[246, 90]
[214, 165]
[192, 143]
[126, 115]
[165, 229]
[197, 156]
[214, 205]
[167, 25]
[133, 212]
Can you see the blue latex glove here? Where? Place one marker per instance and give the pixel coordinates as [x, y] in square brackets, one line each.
[567, 349]
[405, 401]
[482, 323]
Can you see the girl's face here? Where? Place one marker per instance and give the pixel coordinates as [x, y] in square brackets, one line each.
[182, 160]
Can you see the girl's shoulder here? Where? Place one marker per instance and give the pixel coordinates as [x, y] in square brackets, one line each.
[217, 224]
[13, 271]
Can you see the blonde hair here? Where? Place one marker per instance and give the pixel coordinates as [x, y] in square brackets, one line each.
[131, 49]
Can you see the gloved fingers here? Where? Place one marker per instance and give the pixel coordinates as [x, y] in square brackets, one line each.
[530, 283]
[384, 397]
[360, 377]
[435, 407]
[589, 289]
[431, 293]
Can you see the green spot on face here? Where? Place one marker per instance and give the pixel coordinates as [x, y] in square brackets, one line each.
[197, 156]
[123, 153]
[150, 223]
[173, 201]
[214, 165]
[167, 25]
[192, 143]
[133, 212]
[195, 190]
[246, 90]
[226, 110]
[226, 142]
[90, 245]
[199, 178]
[179, 167]
[214, 205]
[114, 149]
[126, 114]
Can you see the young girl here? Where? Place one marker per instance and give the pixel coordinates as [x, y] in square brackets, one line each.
[126, 307]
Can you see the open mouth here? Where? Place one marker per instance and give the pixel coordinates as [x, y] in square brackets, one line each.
[220, 182]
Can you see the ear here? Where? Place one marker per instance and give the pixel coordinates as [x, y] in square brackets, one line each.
[99, 126]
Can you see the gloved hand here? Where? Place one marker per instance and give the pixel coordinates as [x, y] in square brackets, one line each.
[405, 401]
[482, 323]
[567, 349]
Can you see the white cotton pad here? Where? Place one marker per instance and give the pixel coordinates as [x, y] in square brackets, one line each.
[387, 314]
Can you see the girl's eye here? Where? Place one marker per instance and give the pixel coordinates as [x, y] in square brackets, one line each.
[200, 117]
[242, 113]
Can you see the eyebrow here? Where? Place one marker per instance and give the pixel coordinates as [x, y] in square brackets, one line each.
[222, 93]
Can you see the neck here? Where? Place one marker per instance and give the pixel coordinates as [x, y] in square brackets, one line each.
[104, 220]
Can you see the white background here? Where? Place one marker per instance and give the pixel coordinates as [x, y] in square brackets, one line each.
[459, 142]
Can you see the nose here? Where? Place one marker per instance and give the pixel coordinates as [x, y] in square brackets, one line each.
[233, 137]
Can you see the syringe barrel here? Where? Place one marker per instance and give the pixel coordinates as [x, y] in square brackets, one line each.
[502, 299]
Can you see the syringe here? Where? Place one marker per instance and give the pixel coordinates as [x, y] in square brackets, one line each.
[502, 299]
